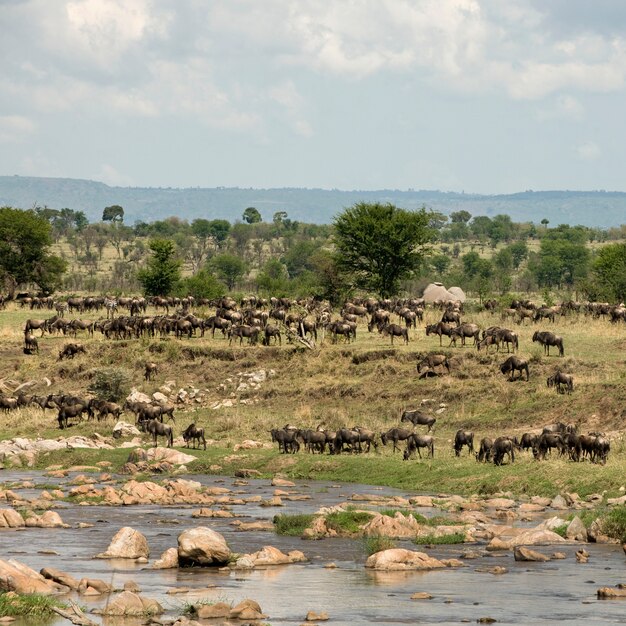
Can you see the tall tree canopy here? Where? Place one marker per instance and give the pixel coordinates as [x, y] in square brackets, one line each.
[610, 271]
[25, 238]
[381, 245]
[162, 274]
[113, 213]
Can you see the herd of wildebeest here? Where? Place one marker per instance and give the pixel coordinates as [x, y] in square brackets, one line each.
[266, 321]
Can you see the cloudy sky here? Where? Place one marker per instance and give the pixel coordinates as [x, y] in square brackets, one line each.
[485, 96]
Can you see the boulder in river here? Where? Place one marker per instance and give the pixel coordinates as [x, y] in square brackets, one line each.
[15, 576]
[127, 543]
[522, 553]
[269, 555]
[128, 603]
[168, 560]
[202, 546]
[401, 559]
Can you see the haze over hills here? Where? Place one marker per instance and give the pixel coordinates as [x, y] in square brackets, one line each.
[589, 208]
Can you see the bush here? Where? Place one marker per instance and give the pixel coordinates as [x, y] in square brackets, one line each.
[377, 543]
[347, 521]
[111, 383]
[32, 605]
[614, 524]
[442, 540]
[292, 525]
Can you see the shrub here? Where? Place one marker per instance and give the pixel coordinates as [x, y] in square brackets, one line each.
[614, 524]
[111, 383]
[377, 543]
[292, 525]
[347, 521]
[32, 605]
[443, 540]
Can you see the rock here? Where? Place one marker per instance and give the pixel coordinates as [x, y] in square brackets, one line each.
[559, 502]
[247, 473]
[169, 455]
[576, 530]
[401, 559]
[499, 503]
[10, 518]
[49, 519]
[159, 397]
[421, 595]
[269, 555]
[138, 396]
[496, 570]
[60, 577]
[15, 576]
[246, 610]
[539, 500]
[128, 603]
[611, 592]
[313, 616]
[582, 556]
[168, 560]
[398, 526]
[526, 554]
[202, 546]
[124, 429]
[558, 556]
[527, 537]
[617, 501]
[131, 585]
[212, 611]
[127, 543]
[530, 507]
[93, 587]
[281, 482]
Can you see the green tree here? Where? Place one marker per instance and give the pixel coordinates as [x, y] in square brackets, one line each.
[219, 230]
[298, 258]
[229, 268]
[460, 217]
[251, 215]
[113, 213]
[201, 285]
[380, 245]
[519, 252]
[25, 239]
[609, 269]
[441, 262]
[161, 275]
[563, 258]
[273, 278]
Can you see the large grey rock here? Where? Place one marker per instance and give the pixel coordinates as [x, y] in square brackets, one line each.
[576, 530]
[202, 546]
[128, 543]
[522, 553]
[400, 559]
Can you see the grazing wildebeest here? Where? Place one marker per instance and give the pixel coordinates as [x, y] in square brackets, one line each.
[561, 382]
[395, 435]
[441, 328]
[502, 446]
[193, 434]
[601, 449]
[504, 335]
[432, 361]
[485, 342]
[158, 429]
[345, 329]
[394, 330]
[547, 339]
[528, 441]
[105, 408]
[463, 331]
[151, 369]
[314, 440]
[544, 312]
[415, 442]
[70, 350]
[546, 442]
[286, 438]
[417, 418]
[485, 450]
[573, 445]
[451, 316]
[513, 364]
[463, 438]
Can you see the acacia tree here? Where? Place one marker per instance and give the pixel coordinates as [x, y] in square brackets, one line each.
[162, 273]
[25, 238]
[380, 245]
[610, 272]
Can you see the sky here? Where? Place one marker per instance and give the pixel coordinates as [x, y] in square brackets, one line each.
[484, 96]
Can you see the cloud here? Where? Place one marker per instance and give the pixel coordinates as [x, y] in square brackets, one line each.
[14, 127]
[111, 176]
[588, 151]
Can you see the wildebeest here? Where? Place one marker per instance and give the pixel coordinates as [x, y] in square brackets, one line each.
[546, 442]
[504, 335]
[395, 435]
[193, 434]
[394, 330]
[151, 369]
[286, 439]
[547, 339]
[251, 333]
[485, 449]
[345, 329]
[528, 441]
[271, 331]
[441, 328]
[147, 412]
[415, 442]
[314, 440]
[30, 343]
[35, 325]
[485, 342]
[432, 361]
[463, 331]
[70, 350]
[349, 437]
[105, 408]
[502, 446]
[158, 429]
[463, 438]
[513, 364]
[561, 382]
[417, 418]
[66, 411]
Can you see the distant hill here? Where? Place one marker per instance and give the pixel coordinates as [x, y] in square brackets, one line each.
[590, 208]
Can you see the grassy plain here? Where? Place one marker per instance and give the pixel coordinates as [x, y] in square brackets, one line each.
[365, 383]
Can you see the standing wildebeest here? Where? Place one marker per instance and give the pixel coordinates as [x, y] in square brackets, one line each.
[250, 332]
[30, 343]
[156, 429]
[485, 450]
[105, 408]
[36, 324]
[415, 442]
[451, 316]
[272, 331]
[286, 439]
[152, 369]
[485, 342]
[561, 382]
[547, 339]
[193, 434]
[441, 328]
[463, 438]
[432, 361]
[546, 442]
[504, 335]
[72, 410]
[528, 441]
[513, 364]
[394, 330]
[417, 418]
[395, 435]
[70, 350]
[502, 446]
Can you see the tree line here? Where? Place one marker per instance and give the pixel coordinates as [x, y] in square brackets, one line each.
[370, 247]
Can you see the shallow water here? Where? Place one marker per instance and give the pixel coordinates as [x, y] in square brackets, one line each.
[530, 593]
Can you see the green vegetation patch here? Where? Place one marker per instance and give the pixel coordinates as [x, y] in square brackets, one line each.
[614, 523]
[292, 525]
[348, 521]
[33, 605]
[439, 541]
[377, 543]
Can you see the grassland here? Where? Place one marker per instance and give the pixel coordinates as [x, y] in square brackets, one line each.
[365, 383]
